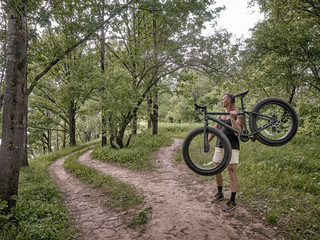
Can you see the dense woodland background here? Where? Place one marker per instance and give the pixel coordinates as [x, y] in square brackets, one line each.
[106, 69]
[150, 62]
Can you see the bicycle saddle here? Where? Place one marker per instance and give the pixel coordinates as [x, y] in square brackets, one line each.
[241, 94]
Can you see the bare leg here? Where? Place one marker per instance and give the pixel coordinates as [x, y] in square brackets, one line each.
[232, 169]
[219, 179]
[219, 196]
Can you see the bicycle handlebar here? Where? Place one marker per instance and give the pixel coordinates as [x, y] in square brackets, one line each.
[198, 107]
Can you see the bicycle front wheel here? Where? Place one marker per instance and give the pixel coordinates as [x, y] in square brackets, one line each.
[199, 158]
[281, 118]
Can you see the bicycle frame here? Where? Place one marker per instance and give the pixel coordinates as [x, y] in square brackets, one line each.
[245, 134]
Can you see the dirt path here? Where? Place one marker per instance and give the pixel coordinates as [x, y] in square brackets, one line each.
[180, 202]
[87, 209]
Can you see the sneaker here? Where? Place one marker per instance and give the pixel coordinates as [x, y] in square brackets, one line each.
[217, 198]
[229, 206]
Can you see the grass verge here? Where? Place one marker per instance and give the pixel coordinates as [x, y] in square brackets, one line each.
[119, 194]
[283, 184]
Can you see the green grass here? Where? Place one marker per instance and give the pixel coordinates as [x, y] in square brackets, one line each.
[119, 194]
[139, 153]
[283, 183]
[39, 212]
[141, 218]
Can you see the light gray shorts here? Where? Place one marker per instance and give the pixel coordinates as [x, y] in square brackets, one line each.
[219, 153]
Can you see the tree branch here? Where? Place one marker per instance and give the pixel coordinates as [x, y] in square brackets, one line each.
[55, 61]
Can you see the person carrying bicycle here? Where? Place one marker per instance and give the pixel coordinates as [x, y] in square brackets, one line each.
[236, 121]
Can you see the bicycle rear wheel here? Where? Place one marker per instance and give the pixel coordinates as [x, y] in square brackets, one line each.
[283, 117]
[200, 160]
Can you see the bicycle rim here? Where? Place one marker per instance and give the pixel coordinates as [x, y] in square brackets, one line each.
[199, 159]
[282, 118]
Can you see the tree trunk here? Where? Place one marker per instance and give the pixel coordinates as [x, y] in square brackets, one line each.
[14, 105]
[24, 156]
[122, 129]
[102, 63]
[1, 100]
[57, 137]
[49, 141]
[4, 51]
[112, 133]
[72, 124]
[155, 114]
[104, 129]
[155, 88]
[120, 136]
[149, 109]
[135, 123]
[64, 136]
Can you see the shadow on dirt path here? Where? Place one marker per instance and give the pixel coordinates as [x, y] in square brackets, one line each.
[180, 202]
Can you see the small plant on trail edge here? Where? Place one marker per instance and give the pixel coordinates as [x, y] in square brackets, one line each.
[141, 218]
[271, 217]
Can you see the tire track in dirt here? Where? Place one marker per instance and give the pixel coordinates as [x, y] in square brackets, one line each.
[180, 201]
[86, 207]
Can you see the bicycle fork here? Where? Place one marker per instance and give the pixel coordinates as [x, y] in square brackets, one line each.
[206, 146]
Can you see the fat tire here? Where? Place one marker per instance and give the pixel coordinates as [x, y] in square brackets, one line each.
[293, 116]
[216, 169]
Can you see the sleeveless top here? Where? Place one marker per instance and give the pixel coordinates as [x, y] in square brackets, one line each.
[234, 140]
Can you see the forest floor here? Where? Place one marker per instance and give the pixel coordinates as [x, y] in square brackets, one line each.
[179, 203]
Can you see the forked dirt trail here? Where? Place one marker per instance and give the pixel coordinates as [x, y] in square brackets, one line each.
[180, 202]
[86, 207]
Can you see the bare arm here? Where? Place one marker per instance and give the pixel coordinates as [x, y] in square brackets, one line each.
[236, 123]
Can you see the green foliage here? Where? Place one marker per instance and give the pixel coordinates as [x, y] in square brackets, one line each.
[282, 183]
[177, 130]
[66, 88]
[138, 154]
[141, 218]
[283, 53]
[119, 194]
[308, 107]
[16, 6]
[39, 212]
[271, 217]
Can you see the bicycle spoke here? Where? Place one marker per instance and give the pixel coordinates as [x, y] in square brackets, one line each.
[280, 123]
[200, 157]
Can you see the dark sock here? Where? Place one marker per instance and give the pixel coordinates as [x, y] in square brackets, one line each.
[220, 191]
[233, 197]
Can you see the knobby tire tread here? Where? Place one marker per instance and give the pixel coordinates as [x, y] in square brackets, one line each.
[270, 142]
[227, 149]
